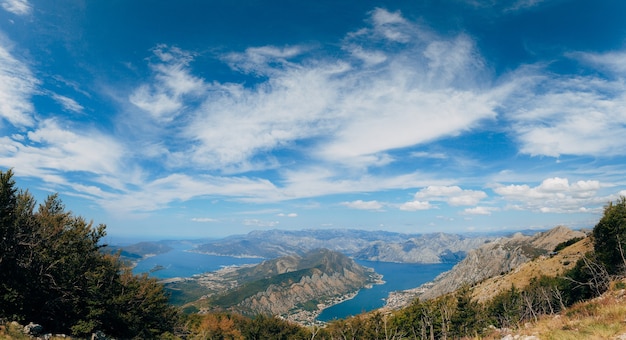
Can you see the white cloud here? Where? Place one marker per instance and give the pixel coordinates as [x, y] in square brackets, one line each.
[257, 60]
[260, 223]
[165, 97]
[17, 7]
[390, 25]
[363, 205]
[416, 205]
[17, 86]
[67, 103]
[150, 195]
[614, 62]
[203, 220]
[287, 215]
[524, 4]
[51, 150]
[358, 106]
[318, 181]
[555, 115]
[453, 195]
[554, 195]
[480, 210]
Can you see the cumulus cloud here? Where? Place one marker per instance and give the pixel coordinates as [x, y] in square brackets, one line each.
[480, 210]
[416, 205]
[363, 205]
[453, 195]
[554, 195]
[17, 7]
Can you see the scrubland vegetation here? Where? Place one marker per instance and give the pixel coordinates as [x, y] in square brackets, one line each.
[54, 273]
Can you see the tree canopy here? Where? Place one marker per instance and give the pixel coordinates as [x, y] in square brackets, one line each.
[54, 274]
[610, 236]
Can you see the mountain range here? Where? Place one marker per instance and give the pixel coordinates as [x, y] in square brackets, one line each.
[359, 244]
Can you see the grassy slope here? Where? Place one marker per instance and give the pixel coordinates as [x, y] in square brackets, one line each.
[600, 318]
[521, 276]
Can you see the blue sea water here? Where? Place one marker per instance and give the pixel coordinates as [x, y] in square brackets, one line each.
[397, 276]
[180, 262]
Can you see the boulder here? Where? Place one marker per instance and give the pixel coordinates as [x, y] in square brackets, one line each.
[33, 329]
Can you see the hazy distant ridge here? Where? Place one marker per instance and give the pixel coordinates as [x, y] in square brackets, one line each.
[360, 244]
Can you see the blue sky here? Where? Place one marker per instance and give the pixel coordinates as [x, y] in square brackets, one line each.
[208, 118]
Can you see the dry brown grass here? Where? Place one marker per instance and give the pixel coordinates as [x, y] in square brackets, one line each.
[521, 276]
[601, 318]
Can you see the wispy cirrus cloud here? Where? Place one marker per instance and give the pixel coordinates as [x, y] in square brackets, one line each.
[555, 114]
[397, 98]
[67, 103]
[17, 7]
[50, 151]
[164, 98]
[17, 86]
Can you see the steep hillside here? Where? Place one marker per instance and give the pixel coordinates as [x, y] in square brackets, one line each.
[492, 259]
[521, 276]
[498, 257]
[599, 318]
[363, 245]
[296, 287]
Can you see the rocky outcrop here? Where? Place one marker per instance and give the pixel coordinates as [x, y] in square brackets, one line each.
[496, 257]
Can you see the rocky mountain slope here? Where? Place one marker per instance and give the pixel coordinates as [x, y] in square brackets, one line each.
[492, 259]
[296, 287]
[363, 245]
[499, 256]
[553, 265]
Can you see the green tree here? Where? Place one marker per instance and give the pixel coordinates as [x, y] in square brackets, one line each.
[53, 272]
[609, 236]
[505, 309]
[10, 295]
[467, 318]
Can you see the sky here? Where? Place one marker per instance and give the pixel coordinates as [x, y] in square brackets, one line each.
[209, 118]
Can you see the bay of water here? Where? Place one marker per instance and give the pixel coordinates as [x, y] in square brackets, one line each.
[397, 276]
[179, 262]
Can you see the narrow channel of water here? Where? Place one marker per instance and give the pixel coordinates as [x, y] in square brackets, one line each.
[397, 276]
